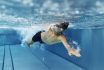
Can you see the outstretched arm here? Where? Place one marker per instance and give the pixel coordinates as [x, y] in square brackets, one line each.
[70, 50]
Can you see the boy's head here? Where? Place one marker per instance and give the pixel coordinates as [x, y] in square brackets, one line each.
[60, 27]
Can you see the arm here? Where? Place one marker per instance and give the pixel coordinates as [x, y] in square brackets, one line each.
[68, 47]
[65, 43]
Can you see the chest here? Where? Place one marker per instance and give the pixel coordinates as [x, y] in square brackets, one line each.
[50, 38]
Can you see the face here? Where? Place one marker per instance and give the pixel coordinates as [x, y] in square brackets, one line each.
[59, 28]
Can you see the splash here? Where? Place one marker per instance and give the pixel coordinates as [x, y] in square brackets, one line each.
[75, 46]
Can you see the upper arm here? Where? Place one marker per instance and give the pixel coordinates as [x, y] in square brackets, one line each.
[63, 40]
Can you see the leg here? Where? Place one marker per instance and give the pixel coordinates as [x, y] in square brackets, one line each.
[26, 43]
[30, 44]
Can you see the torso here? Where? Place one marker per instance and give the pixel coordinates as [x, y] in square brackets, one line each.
[49, 38]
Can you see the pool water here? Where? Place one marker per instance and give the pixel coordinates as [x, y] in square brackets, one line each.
[86, 29]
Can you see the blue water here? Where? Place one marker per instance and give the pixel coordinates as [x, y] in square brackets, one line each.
[86, 16]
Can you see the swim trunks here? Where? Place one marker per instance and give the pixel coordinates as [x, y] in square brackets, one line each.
[37, 37]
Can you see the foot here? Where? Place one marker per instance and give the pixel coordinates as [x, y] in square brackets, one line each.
[24, 44]
[29, 45]
[73, 52]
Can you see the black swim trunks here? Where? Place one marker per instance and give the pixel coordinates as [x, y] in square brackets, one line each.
[37, 37]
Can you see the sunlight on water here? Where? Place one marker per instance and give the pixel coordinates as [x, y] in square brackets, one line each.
[51, 11]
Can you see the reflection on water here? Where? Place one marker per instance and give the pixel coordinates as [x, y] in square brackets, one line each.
[83, 14]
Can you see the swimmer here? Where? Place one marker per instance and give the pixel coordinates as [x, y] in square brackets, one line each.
[54, 35]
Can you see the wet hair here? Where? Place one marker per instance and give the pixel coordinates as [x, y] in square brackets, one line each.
[63, 25]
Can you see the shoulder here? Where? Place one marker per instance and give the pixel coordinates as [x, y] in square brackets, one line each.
[61, 37]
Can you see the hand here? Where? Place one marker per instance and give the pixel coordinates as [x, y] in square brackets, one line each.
[73, 52]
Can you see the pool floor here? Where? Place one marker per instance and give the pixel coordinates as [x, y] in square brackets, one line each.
[15, 57]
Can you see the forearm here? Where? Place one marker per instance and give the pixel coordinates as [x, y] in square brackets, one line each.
[70, 50]
[65, 43]
[67, 47]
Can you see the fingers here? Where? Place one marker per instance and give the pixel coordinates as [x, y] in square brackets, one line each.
[72, 52]
[77, 55]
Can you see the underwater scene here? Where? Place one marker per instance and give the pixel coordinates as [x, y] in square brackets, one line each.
[51, 34]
